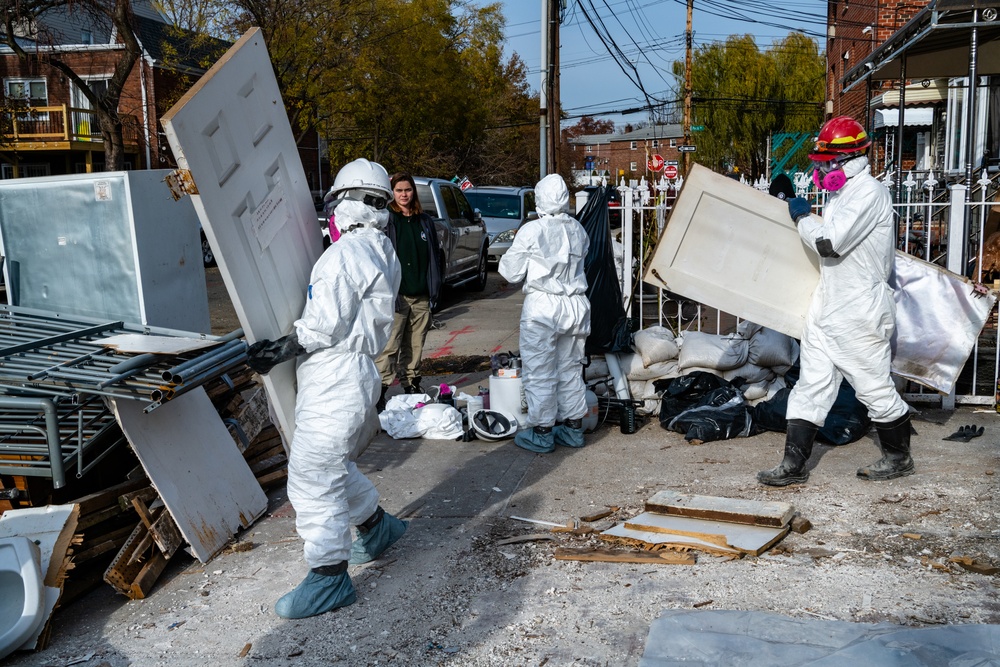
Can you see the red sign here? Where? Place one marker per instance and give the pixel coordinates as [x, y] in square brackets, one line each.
[655, 162]
[670, 171]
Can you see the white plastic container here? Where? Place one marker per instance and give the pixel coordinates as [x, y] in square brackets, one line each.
[474, 405]
[507, 396]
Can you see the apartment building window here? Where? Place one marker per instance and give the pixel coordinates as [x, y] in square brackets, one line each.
[30, 92]
[655, 144]
[632, 166]
[633, 145]
[86, 37]
[673, 143]
[587, 149]
[956, 131]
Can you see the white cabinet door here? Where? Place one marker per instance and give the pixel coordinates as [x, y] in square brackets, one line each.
[232, 133]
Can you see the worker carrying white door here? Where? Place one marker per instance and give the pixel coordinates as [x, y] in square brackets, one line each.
[344, 326]
[548, 254]
[852, 316]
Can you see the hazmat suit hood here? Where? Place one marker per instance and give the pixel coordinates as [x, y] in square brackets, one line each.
[351, 214]
[551, 196]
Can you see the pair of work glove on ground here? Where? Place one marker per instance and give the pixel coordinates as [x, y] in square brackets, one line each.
[966, 433]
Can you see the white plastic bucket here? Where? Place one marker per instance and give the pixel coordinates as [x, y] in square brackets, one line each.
[590, 419]
[507, 396]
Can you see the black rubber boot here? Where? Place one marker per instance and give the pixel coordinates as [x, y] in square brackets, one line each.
[798, 446]
[894, 441]
[380, 406]
[413, 386]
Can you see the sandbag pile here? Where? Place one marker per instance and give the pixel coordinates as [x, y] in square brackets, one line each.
[753, 358]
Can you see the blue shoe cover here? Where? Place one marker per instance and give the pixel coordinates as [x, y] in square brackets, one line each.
[317, 594]
[370, 545]
[568, 437]
[533, 441]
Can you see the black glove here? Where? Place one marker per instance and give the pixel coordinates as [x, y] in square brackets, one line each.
[799, 208]
[264, 355]
[966, 433]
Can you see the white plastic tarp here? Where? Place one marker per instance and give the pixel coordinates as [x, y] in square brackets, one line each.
[735, 248]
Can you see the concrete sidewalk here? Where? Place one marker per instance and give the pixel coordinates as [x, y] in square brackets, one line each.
[454, 591]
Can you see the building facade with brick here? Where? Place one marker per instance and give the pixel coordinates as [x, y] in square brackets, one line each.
[623, 155]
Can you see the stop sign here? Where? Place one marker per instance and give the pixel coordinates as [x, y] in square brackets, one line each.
[670, 171]
[655, 162]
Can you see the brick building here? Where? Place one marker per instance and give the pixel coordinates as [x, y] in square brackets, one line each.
[866, 41]
[622, 155]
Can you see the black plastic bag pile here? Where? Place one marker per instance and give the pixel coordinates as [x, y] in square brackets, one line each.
[704, 407]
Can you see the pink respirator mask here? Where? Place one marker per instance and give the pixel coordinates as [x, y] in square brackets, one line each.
[829, 175]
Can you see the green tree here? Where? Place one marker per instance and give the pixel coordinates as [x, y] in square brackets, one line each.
[742, 94]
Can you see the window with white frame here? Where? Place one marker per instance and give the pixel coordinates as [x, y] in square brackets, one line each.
[957, 125]
[655, 143]
[587, 149]
[633, 145]
[631, 166]
[673, 143]
[27, 92]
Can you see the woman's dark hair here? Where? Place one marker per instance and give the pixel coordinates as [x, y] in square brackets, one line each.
[414, 202]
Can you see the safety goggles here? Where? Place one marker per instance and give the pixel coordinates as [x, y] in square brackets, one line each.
[826, 166]
[376, 201]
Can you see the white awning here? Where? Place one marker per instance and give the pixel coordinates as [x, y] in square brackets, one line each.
[914, 117]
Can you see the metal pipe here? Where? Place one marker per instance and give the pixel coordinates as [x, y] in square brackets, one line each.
[203, 360]
[51, 435]
[239, 349]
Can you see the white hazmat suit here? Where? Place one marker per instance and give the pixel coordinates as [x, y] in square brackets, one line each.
[852, 315]
[548, 255]
[344, 326]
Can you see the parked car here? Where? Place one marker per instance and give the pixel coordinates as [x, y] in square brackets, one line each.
[614, 204]
[461, 232]
[504, 210]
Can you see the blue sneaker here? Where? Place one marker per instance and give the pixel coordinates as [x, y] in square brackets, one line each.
[317, 594]
[569, 434]
[538, 439]
[377, 534]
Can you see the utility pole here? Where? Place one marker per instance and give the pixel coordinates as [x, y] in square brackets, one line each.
[543, 94]
[687, 85]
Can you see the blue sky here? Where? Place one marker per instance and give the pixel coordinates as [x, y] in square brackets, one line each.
[650, 33]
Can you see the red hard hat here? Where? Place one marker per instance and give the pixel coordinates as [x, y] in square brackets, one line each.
[839, 136]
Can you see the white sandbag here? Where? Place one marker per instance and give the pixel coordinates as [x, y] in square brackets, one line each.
[749, 372]
[635, 370]
[655, 344]
[598, 368]
[763, 391]
[643, 390]
[704, 350]
[773, 349]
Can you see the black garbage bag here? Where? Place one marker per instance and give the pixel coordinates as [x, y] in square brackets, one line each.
[684, 392]
[722, 414]
[704, 407]
[610, 328]
[847, 422]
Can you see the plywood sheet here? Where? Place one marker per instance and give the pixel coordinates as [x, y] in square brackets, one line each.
[621, 534]
[139, 343]
[734, 510]
[195, 466]
[753, 540]
[734, 248]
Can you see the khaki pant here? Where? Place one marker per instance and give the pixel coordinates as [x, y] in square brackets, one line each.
[403, 352]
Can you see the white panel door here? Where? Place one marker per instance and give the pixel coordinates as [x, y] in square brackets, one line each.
[734, 248]
[232, 133]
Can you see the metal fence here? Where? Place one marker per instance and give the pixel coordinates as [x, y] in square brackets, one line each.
[946, 224]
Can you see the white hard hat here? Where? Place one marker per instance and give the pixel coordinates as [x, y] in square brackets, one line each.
[551, 195]
[493, 425]
[364, 181]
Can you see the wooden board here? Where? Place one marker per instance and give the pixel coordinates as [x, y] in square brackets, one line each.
[753, 540]
[196, 468]
[141, 344]
[619, 534]
[624, 556]
[735, 510]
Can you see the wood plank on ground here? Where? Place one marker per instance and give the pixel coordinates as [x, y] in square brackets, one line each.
[619, 534]
[734, 510]
[624, 556]
[753, 540]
